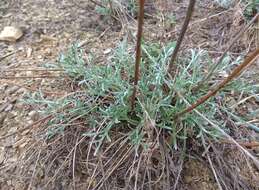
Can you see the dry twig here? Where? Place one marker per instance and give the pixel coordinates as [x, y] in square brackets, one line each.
[182, 33]
[138, 51]
[234, 40]
[249, 60]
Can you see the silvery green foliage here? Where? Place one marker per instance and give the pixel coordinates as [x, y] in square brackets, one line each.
[225, 3]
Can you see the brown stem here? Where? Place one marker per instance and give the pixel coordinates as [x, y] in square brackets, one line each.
[234, 74]
[237, 36]
[182, 33]
[138, 51]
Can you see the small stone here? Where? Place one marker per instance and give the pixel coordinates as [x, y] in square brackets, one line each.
[11, 34]
[12, 90]
[9, 182]
[21, 91]
[29, 73]
[39, 56]
[188, 179]
[41, 173]
[48, 52]
[30, 122]
[107, 51]
[34, 115]
[9, 108]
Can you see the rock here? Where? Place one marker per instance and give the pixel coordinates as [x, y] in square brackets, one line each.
[30, 122]
[9, 108]
[39, 56]
[48, 52]
[9, 182]
[188, 179]
[29, 73]
[107, 51]
[10, 34]
[12, 90]
[34, 115]
[21, 91]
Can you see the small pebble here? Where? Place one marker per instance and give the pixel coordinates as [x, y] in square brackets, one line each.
[12, 90]
[9, 108]
[34, 115]
[30, 122]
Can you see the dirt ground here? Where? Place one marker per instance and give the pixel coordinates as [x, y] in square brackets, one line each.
[51, 26]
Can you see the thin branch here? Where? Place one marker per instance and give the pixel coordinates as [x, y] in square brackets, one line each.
[138, 51]
[249, 60]
[215, 126]
[182, 33]
[234, 40]
[199, 21]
